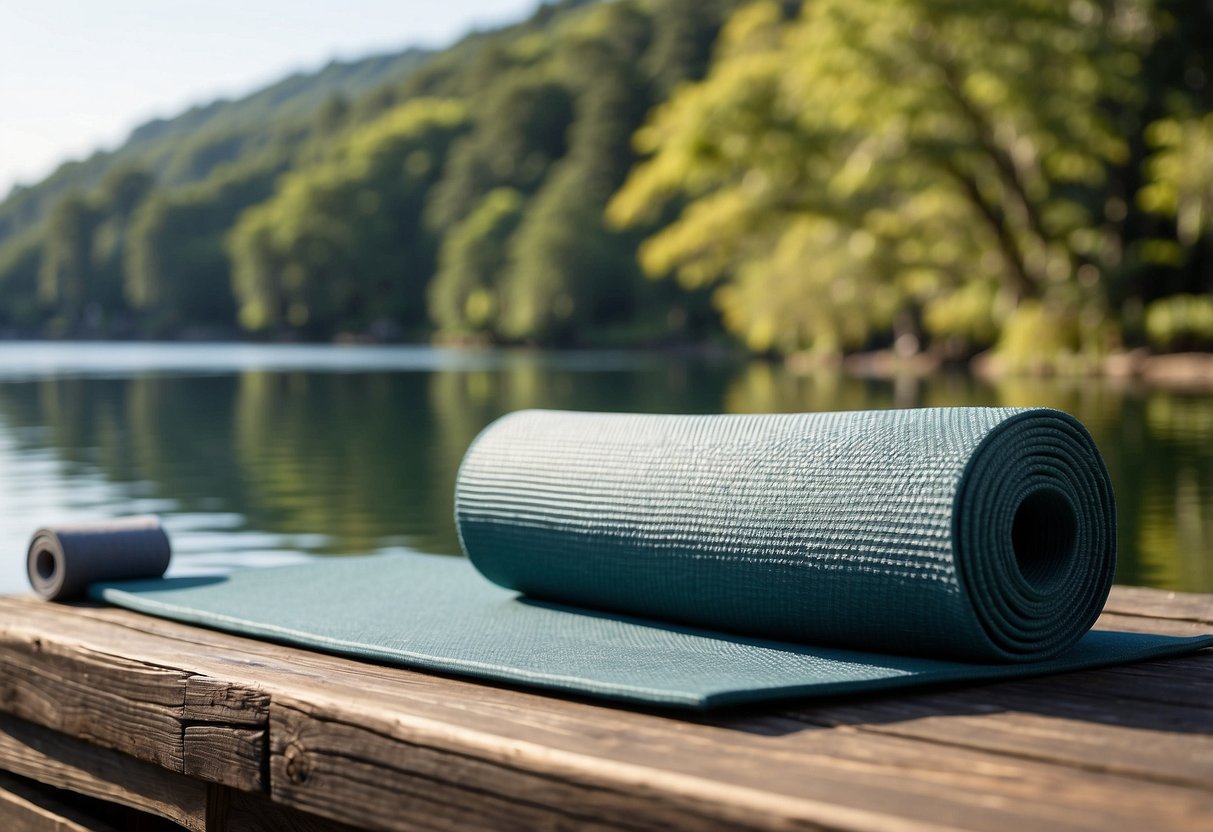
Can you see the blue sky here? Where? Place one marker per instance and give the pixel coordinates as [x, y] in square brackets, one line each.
[75, 76]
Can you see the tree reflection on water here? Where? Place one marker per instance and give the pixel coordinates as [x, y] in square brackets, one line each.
[362, 461]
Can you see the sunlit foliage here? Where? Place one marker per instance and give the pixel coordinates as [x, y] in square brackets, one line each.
[462, 296]
[836, 176]
[177, 271]
[1181, 175]
[873, 155]
[80, 271]
[343, 240]
[1181, 322]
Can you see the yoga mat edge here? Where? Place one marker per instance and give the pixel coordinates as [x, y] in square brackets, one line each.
[450, 620]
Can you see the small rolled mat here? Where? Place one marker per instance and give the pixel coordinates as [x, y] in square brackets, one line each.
[63, 561]
[704, 560]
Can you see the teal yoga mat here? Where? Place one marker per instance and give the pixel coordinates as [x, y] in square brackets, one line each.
[696, 561]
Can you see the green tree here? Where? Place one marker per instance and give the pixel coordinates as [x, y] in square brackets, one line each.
[65, 280]
[1181, 175]
[20, 264]
[177, 271]
[683, 34]
[124, 189]
[119, 197]
[374, 204]
[332, 115]
[80, 276]
[520, 129]
[341, 243]
[567, 272]
[555, 262]
[873, 156]
[463, 293]
[1179, 186]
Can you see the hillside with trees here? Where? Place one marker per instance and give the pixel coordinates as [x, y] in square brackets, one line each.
[1021, 173]
[916, 174]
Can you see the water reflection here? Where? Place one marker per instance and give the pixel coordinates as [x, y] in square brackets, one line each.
[256, 465]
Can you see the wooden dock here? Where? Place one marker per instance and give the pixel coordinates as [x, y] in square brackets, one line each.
[110, 719]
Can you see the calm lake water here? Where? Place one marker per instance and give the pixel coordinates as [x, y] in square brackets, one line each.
[264, 455]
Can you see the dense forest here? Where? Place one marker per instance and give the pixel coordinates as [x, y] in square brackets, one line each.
[843, 175]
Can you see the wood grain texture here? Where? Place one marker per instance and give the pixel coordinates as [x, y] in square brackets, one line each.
[26, 808]
[231, 756]
[108, 693]
[109, 700]
[389, 748]
[78, 766]
[212, 700]
[1155, 603]
[787, 776]
[1173, 744]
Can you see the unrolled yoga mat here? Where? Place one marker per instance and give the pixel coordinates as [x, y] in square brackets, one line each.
[705, 560]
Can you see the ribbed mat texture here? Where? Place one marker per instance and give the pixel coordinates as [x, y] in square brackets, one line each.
[972, 533]
[704, 560]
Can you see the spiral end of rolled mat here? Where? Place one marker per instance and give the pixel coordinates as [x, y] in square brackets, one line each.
[63, 560]
[1035, 534]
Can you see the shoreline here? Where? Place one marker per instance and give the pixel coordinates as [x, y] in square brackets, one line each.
[1177, 371]
[1181, 370]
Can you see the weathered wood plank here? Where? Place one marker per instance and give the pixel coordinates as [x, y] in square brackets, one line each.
[502, 716]
[27, 809]
[392, 748]
[108, 700]
[1143, 624]
[105, 691]
[78, 766]
[341, 770]
[225, 754]
[213, 700]
[1185, 680]
[1140, 693]
[810, 778]
[1028, 719]
[1155, 603]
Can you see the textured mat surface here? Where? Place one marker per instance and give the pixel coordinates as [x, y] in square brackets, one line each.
[438, 613]
[973, 533]
[757, 557]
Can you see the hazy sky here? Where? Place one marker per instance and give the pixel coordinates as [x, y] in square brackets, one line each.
[75, 76]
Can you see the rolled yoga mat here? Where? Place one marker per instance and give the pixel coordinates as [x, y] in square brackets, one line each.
[968, 533]
[696, 561]
[63, 561]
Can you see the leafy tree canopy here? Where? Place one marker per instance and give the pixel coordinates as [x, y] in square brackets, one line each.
[875, 155]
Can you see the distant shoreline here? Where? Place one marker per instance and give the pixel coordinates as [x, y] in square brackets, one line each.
[1181, 370]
